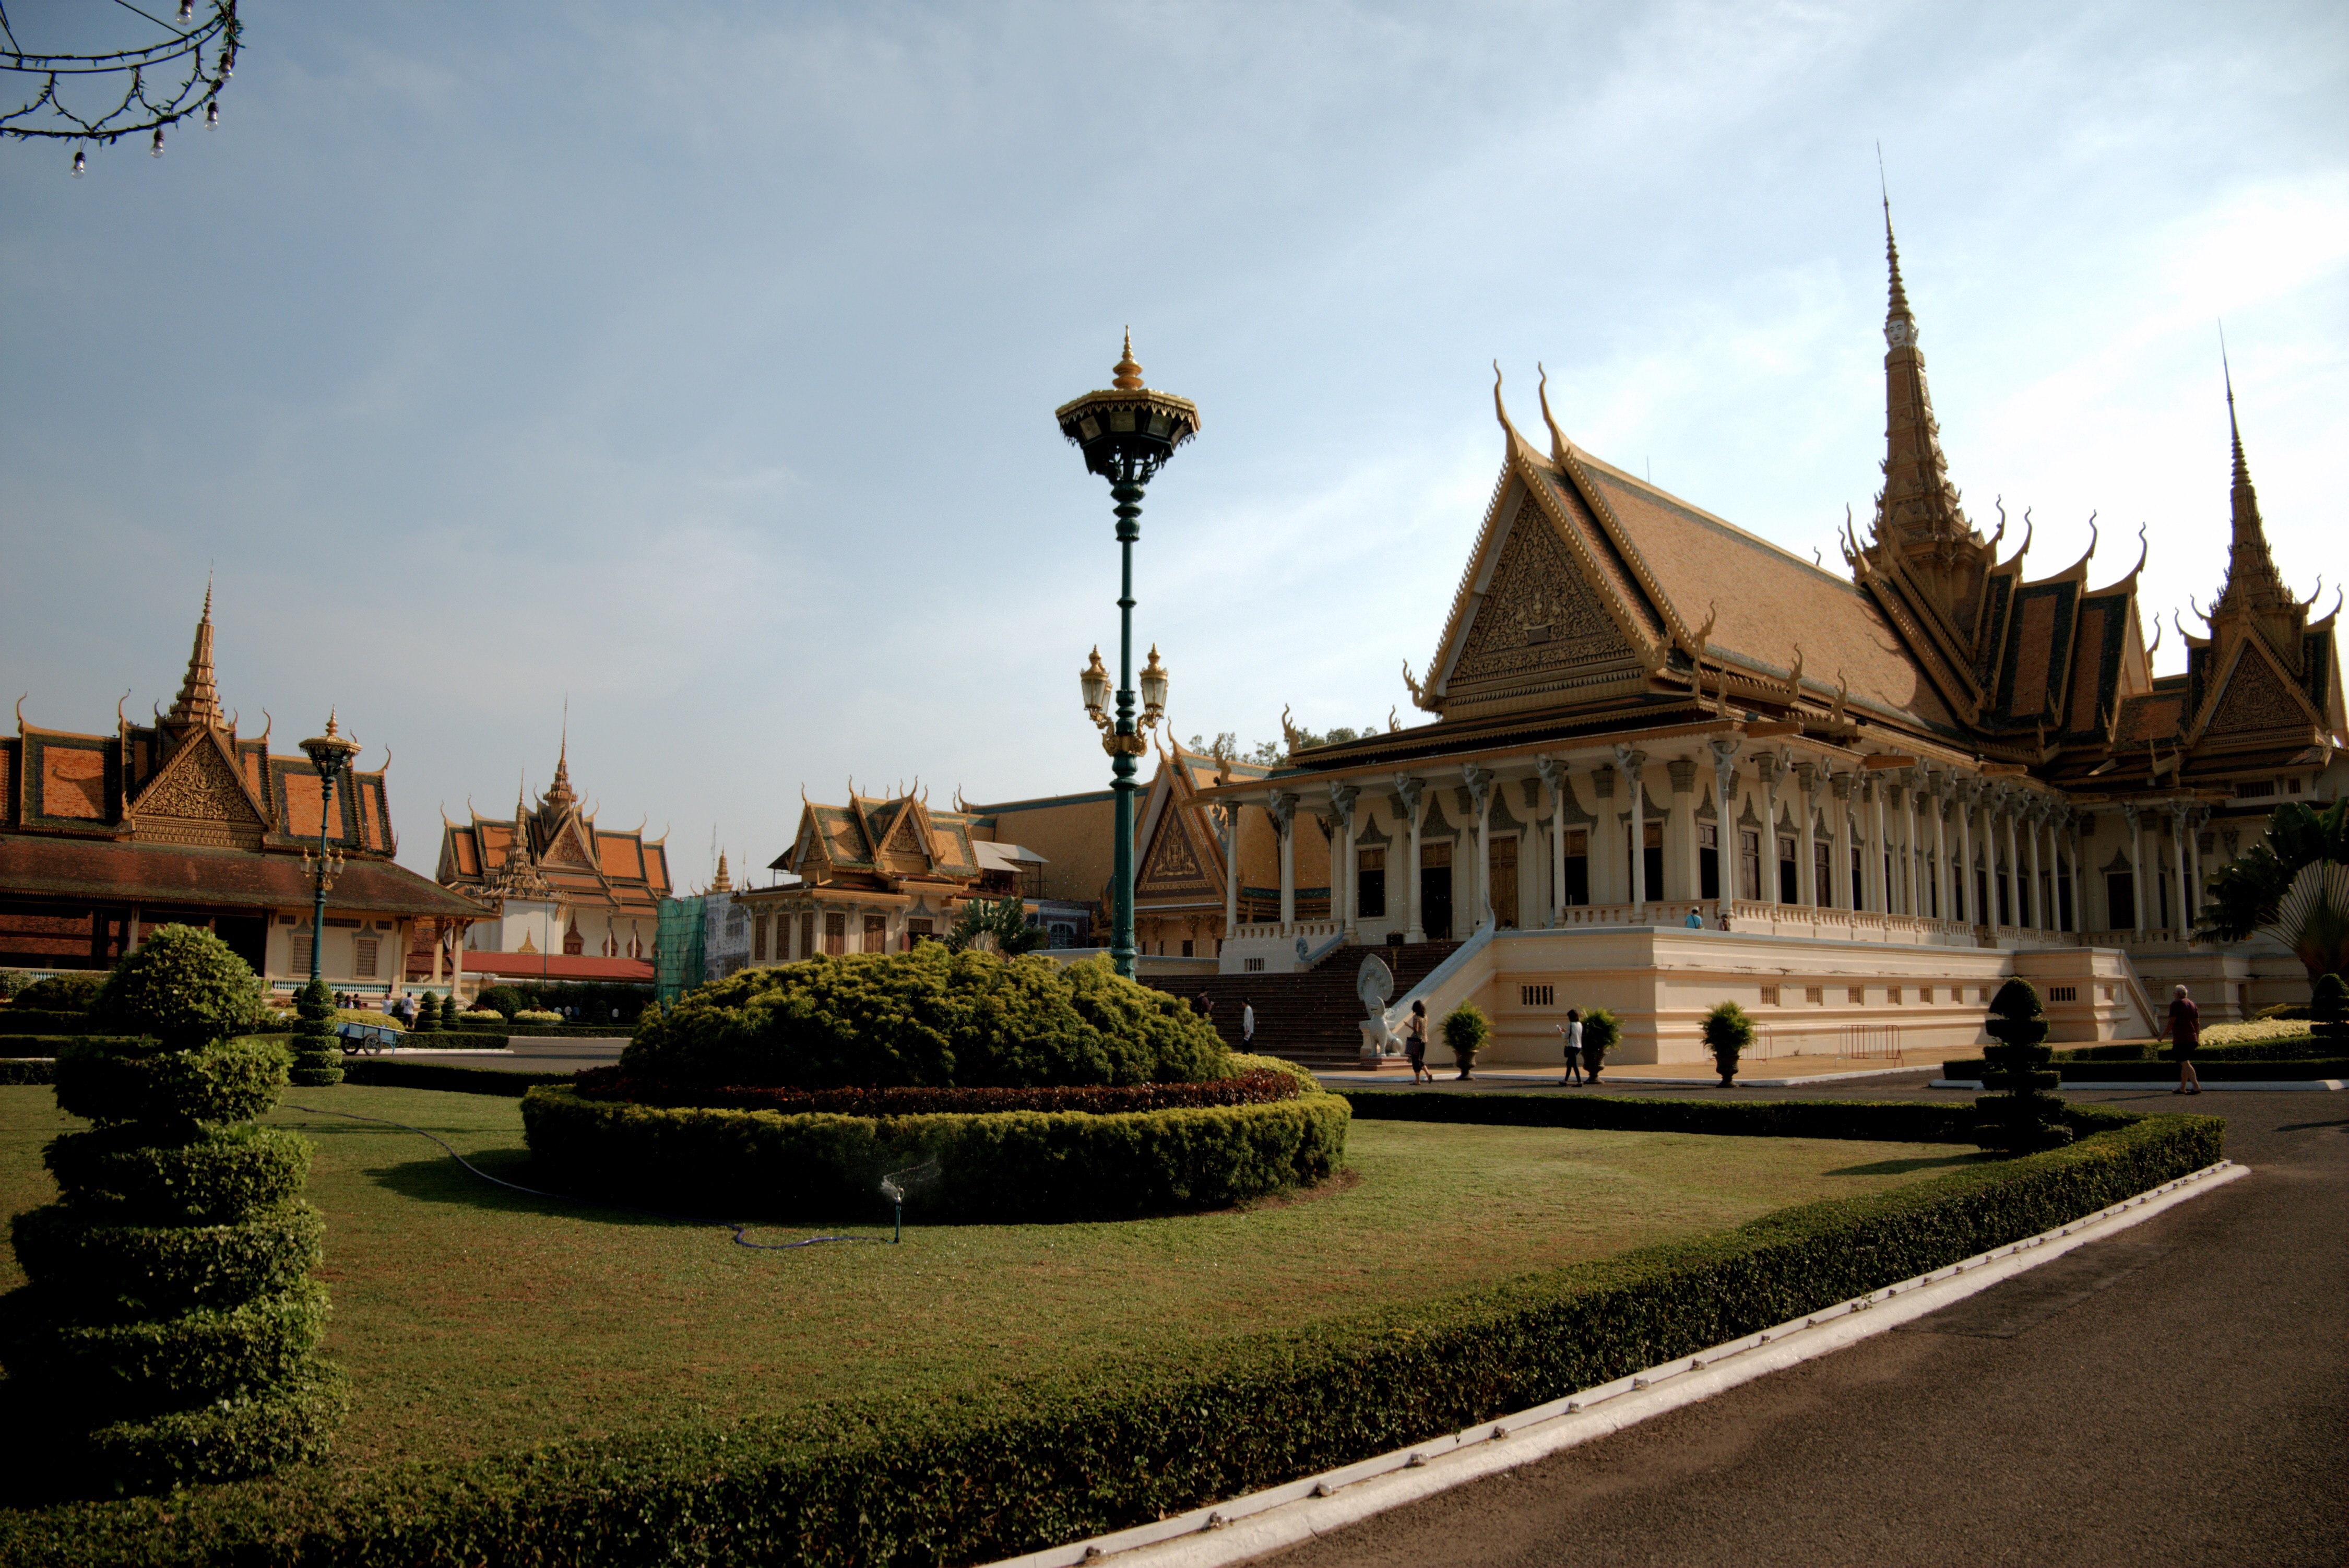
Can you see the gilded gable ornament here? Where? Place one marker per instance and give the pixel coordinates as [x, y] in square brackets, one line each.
[1540, 615]
[1173, 860]
[198, 799]
[2255, 699]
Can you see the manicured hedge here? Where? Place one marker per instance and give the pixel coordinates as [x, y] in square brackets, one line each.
[1260, 1086]
[391, 1072]
[228, 1080]
[20, 1069]
[21, 1020]
[451, 1040]
[242, 1435]
[218, 1179]
[927, 1016]
[2305, 1048]
[1019, 1165]
[1889, 1121]
[191, 1358]
[1014, 1469]
[123, 1271]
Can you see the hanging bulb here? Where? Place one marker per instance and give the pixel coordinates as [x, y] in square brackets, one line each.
[157, 151]
[187, 10]
[81, 161]
[228, 64]
[212, 116]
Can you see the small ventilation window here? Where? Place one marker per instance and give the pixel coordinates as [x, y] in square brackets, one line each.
[1815, 995]
[362, 955]
[1536, 996]
[1254, 965]
[1769, 996]
[1857, 995]
[2063, 993]
[1892, 995]
[2252, 789]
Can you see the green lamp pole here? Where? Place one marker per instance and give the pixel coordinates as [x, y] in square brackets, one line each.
[1126, 434]
[330, 754]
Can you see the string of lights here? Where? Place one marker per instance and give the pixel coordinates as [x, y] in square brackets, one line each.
[71, 101]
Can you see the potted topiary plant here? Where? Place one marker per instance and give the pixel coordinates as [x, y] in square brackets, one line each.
[317, 1059]
[1466, 1030]
[1728, 1030]
[172, 1324]
[1601, 1030]
[2024, 1117]
[2328, 1006]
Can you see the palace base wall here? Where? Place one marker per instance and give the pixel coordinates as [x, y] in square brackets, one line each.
[1660, 982]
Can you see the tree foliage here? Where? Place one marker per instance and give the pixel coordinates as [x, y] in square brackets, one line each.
[185, 986]
[2249, 895]
[1002, 928]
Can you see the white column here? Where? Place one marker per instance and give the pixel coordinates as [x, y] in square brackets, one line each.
[1342, 798]
[1282, 807]
[1879, 897]
[2038, 895]
[2071, 840]
[2179, 826]
[1411, 792]
[2136, 820]
[1942, 905]
[1911, 904]
[1725, 751]
[1553, 777]
[1839, 788]
[1631, 764]
[2013, 858]
[1479, 781]
[1806, 876]
[1681, 837]
[1769, 770]
[1964, 792]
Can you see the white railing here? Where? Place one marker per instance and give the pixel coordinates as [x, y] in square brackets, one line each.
[1868, 1042]
[1283, 930]
[1655, 911]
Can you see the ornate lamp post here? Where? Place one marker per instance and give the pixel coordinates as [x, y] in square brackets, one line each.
[1126, 434]
[330, 754]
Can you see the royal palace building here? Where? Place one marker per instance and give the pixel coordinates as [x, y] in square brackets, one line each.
[104, 837]
[1669, 763]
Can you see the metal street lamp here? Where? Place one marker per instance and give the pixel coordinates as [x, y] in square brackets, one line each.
[1126, 434]
[331, 755]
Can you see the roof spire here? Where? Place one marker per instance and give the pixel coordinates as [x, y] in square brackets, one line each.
[199, 699]
[2252, 580]
[560, 794]
[1898, 307]
[1126, 376]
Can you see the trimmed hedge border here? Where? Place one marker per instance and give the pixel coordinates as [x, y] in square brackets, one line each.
[913, 1481]
[1887, 1122]
[451, 1040]
[998, 1166]
[48, 1021]
[2218, 1069]
[217, 1178]
[390, 1072]
[28, 1070]
[139, 1271]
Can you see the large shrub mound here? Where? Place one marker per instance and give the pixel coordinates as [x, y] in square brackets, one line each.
[928, 1018]
[171, 1324]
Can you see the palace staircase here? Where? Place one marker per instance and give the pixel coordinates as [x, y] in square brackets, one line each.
[1312, 1017]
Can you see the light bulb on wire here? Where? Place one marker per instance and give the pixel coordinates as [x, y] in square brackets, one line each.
[81, 161]
[212, 116]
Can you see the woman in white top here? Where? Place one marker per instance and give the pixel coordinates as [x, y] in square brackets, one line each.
[1570, 1032]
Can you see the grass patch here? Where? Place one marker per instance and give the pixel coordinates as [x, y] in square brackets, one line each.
[477, 1321]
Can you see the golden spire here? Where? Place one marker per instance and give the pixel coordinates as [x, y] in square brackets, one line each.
[198, 699]
[1126, 375]
[2252, 580]
[722, 882]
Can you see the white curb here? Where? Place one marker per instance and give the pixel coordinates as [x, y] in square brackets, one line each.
[1264, 1521]
[2275, 1086]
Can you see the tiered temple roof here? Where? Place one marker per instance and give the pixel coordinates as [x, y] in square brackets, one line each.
[556, 850]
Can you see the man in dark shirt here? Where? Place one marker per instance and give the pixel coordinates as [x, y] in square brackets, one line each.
[2185, 1036]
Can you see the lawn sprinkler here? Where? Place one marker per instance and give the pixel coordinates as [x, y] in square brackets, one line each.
[895, 1186]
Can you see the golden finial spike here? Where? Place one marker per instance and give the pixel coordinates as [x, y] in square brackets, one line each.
[1126, 376]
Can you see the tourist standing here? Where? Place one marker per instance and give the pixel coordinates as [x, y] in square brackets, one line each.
[1414, 1042]
[1695, 922]
[1570, 1032]
[2185, 1037]
[1247, 1023]
[1206, 1005]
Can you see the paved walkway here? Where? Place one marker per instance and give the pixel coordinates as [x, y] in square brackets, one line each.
[2175, 1394]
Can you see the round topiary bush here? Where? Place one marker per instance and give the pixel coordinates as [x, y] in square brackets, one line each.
[171, 1323]
[1728, 1030]
[61, 992]
[2024, 1117]
[1466, 1030]
[537, 1016]
[929, 1017]
[317, 1054]
[1600, 1031]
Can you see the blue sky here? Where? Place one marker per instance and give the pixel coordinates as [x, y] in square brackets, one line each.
[696, 361]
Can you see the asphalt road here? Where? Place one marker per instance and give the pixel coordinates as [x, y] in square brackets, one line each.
[2179, 1393]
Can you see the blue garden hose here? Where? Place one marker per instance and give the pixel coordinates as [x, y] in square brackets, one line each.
[889, 1186]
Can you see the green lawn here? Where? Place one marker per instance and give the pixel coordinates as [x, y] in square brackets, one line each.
[476, 1320]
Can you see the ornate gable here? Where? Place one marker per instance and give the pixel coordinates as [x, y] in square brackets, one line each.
[1539, 622]
[569, 848]
[1174, 863]
[199, 797]
[2256, 698]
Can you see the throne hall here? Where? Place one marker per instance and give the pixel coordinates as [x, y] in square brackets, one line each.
[1879, 793]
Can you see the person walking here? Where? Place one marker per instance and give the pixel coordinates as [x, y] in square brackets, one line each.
[1248, 1023]
[1570, 1032]
[1206, 1005]
[2185, 1039]
[1414, 1043]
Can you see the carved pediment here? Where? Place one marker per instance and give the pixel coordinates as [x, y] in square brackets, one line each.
[1174, 863]
[197, 798]
[2256, 698]
[1539, 620]
[569, 848]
